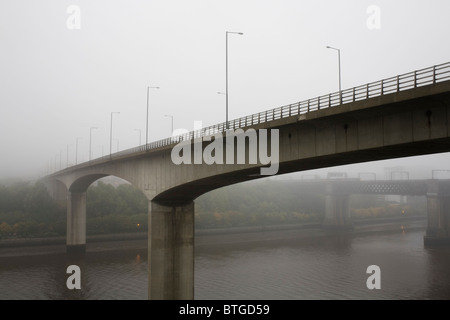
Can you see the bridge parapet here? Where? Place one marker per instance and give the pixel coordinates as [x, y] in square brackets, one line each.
[413, 188]
[386, 187]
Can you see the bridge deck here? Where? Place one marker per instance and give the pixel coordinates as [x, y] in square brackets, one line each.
[423, 80]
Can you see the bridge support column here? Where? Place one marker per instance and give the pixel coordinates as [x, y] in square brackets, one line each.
[57, 191]
[171, 251]
[76, 222]
[337, 212]
[438, 210]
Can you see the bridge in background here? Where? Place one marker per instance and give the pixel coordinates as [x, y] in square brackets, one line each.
[402, 116]
[338, 192]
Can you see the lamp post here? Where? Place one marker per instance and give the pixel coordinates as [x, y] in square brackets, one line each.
[339, 63]
[146, 127]
[90, 142]
[76, 151]
[168, 115]
[67, 158]
[110, 134]
[226, 72]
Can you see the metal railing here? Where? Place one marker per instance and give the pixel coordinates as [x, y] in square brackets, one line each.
[411, 80]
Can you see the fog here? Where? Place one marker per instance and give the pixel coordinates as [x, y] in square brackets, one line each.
[66, 65]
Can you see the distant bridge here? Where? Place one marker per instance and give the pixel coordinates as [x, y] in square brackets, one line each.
[337, 193]
[402, 116]
[384, 187]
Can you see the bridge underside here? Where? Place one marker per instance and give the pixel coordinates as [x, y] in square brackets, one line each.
[192, 190]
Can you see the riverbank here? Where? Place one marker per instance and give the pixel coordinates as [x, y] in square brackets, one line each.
[97, 243]
[278, 234]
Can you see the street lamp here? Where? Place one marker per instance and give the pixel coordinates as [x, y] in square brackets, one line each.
[168, 115]
[146, 130]
[110, 134]
[76, 151]
[67, 159]
[339, 62]
[226, 72]
[90, 142]
[139, 135]
[60, 159]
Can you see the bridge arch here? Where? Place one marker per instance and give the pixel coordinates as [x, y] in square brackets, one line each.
[83, 183]
[57, 190]
[77, 188]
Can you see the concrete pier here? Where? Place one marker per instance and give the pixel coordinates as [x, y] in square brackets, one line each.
[171, 251]
[76, 222]
[438, 207]
[337, 211]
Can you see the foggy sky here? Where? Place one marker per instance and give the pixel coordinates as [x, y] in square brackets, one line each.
[57, 82]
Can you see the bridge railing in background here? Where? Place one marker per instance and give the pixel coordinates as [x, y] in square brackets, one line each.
[411, 80]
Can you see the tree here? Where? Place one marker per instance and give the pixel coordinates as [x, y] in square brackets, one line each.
[40, 205]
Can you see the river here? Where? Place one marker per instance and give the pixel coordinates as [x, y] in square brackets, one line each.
[286, 264]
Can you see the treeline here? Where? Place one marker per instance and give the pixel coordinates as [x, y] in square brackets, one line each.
[27, 210]
[257, 204]
[375, 206]
[112, 209]
[268, 202]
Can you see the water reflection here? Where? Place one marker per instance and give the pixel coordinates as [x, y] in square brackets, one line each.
[104, 275]
[437, 272]
[284, 267]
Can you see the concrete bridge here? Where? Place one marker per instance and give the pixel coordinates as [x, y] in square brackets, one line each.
[406, 115]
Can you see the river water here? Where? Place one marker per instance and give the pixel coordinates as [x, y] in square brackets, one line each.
[288, 265]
